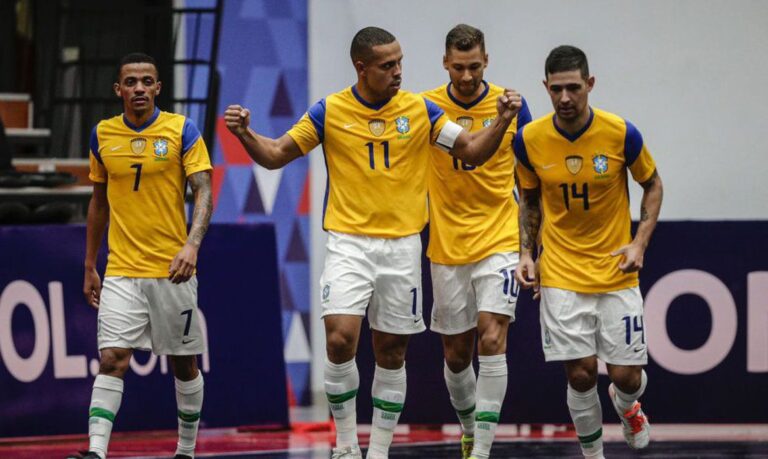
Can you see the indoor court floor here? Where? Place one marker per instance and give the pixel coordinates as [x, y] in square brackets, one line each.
[313, 440]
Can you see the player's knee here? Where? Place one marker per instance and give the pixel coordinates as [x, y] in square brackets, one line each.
[626, 378]
[458, 359]
[391, 360]
[581, 379]
[340, 345]
[492, 342]
[114, 363]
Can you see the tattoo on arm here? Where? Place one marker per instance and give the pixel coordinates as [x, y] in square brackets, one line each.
[201, 217]
[530, 218]
[643, 213]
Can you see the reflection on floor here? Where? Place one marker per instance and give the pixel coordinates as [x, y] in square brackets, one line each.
[313, 440]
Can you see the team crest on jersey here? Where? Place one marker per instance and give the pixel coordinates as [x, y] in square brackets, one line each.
[138, 145]
[466, 122]
[487, 122]
[573, 164]
[377, 126]
[326, 292]
[600, 163]
[161, 147]
[403, 124]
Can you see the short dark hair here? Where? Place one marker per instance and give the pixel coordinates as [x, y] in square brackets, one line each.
[464, 38]
[565, 58]
[136, 58]
[364, 41]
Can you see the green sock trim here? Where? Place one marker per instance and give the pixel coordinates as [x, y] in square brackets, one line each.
[384, 405]
[189, 417]
[466, 412]
[102, 413]
[487, 416]
[591, 438]
[341, 398]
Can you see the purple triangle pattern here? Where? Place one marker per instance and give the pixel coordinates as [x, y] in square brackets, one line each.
[253, 204]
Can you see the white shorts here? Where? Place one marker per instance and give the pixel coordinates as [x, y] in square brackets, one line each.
[383, 273]
[608, 325]
[150, 314]
[461, 291]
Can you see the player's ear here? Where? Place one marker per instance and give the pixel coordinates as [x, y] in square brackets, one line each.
[159, 87]
[546, 86]
[485, 60]
[359, 67]
[590, 82]
[445, 61]
[116, 88]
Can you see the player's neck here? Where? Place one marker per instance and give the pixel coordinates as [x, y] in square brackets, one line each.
[466, 99]
[367, 95]
[575, 125]
[139, 118]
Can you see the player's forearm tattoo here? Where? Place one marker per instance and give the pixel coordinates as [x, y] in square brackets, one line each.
[201, 216]
[643, 213]
[530, 218]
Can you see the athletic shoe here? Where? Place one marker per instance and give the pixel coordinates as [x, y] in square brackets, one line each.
[467, 443]
[347, 452]
[634, 423]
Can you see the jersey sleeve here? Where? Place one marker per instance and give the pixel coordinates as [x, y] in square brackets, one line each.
[523, 116]
[526, 175]
[97, 171]
[437, 119]
[194, 153]
[638, 159]
[309, 131]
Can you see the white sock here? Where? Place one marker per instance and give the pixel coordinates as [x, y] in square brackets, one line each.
[189, 401]
[341, 384]
[588, 419]
[461, 387]
[491, 387]
[625, 401]
[388, 393]
[105, 402]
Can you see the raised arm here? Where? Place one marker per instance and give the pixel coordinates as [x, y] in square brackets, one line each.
[650, 206]
[183, 265]
[266, 152]
[98, 217]
[477, 147]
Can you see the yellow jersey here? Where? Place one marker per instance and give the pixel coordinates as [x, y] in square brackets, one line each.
[585, 197]
[145, 169]
[377, 158]
[473, 210]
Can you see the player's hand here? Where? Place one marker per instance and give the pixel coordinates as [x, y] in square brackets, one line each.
[632, 258]
[509, 104]
[92, 287]
[183, 265]
[527, 274]
[237, 119]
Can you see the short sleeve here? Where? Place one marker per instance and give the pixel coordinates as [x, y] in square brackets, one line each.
[638, 159]
[309, 131]
[97, 171]
[196, 158]
[526, 175]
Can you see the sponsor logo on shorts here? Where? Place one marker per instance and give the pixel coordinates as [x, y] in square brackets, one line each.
[187, 341]
[639, 349]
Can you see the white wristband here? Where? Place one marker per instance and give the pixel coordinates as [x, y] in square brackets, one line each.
[448, 135]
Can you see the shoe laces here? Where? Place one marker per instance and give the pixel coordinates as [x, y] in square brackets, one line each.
[636, 418]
